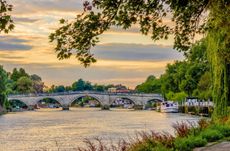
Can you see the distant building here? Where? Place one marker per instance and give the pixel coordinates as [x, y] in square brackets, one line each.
[112, 90]
[118, 89]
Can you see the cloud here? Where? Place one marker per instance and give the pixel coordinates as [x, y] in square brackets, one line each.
[7, 56]
[35, 6]
[104, 72]
[138, 52]
[13, 43]
[24, 20]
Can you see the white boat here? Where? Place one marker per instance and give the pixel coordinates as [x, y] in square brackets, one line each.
[169, 107]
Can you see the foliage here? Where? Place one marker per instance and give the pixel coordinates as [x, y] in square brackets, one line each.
[182, 129]
[211, 135]
[56, 89]
[16, 84]
[3, 80]
[17, 74]
[196, 136]
[219, 55]
[24, 85]
[83, 33]
[222, 128]
[203, 124]
[151, 85]
[189, 143]
[204, 86]
[6, 22]
[81, 85]
[189, 17]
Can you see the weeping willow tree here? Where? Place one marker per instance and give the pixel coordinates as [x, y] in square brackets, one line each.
[188, 17]
[3, 80]
[218, 40]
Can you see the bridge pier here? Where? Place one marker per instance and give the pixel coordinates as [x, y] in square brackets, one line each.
[105, 107]
[65, 107]
[31, 107]
[138, 107]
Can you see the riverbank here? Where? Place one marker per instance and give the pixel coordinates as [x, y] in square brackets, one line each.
[206, 136]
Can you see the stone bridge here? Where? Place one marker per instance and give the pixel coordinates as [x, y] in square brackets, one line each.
[105, 99]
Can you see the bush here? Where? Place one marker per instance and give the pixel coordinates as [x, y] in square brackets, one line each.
[188, 143]
[182, 129]
[203, 123]
[211, 135]
[149, 146]
[223, 129]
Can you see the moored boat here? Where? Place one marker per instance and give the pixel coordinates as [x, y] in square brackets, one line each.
[169, 107]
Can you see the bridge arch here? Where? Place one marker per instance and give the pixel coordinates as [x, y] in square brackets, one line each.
[155, 100]
[17, 102]
[86, 95]
[152, 103]
[48, 99]
[122, 100]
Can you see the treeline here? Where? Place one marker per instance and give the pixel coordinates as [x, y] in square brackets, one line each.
[190, 77]
[81, 85]
[18, 82]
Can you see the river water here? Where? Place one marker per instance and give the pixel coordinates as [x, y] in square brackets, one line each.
[53, 129]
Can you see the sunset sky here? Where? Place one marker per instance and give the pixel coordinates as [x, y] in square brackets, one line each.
[123, 57]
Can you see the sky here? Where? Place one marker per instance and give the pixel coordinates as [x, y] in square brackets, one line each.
[123, 56]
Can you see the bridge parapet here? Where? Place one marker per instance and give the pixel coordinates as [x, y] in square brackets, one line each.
[85, 93]
[105, 98]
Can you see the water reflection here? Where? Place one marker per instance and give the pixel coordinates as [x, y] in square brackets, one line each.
[52, 128]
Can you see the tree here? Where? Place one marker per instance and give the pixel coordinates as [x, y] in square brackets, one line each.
[6, 22]
[59, 88]
[3, 80]
[17, 74]
[189, 17]
[24, 85]
[99, 88]
[38, 85]
[151, 85]
[78, 85]
[204, 86]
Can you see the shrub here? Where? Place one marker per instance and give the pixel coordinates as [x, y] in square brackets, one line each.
[182, 129]
[147, 145]
[203, 123]
[223, 129]
[188, 143]
[211, 135]
[165, 139]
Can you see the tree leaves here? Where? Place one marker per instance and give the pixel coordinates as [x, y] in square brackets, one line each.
[6, 23]
[79, 36]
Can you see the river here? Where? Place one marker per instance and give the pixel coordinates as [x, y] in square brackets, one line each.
[53, 129]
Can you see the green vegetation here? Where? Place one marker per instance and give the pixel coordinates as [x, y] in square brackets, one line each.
[3, 81]
[81, 85]
[6, 22]
[188, 136]
[151, 85]
[188, 18]
[190, 77]
[188, 143]
[20, 82]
